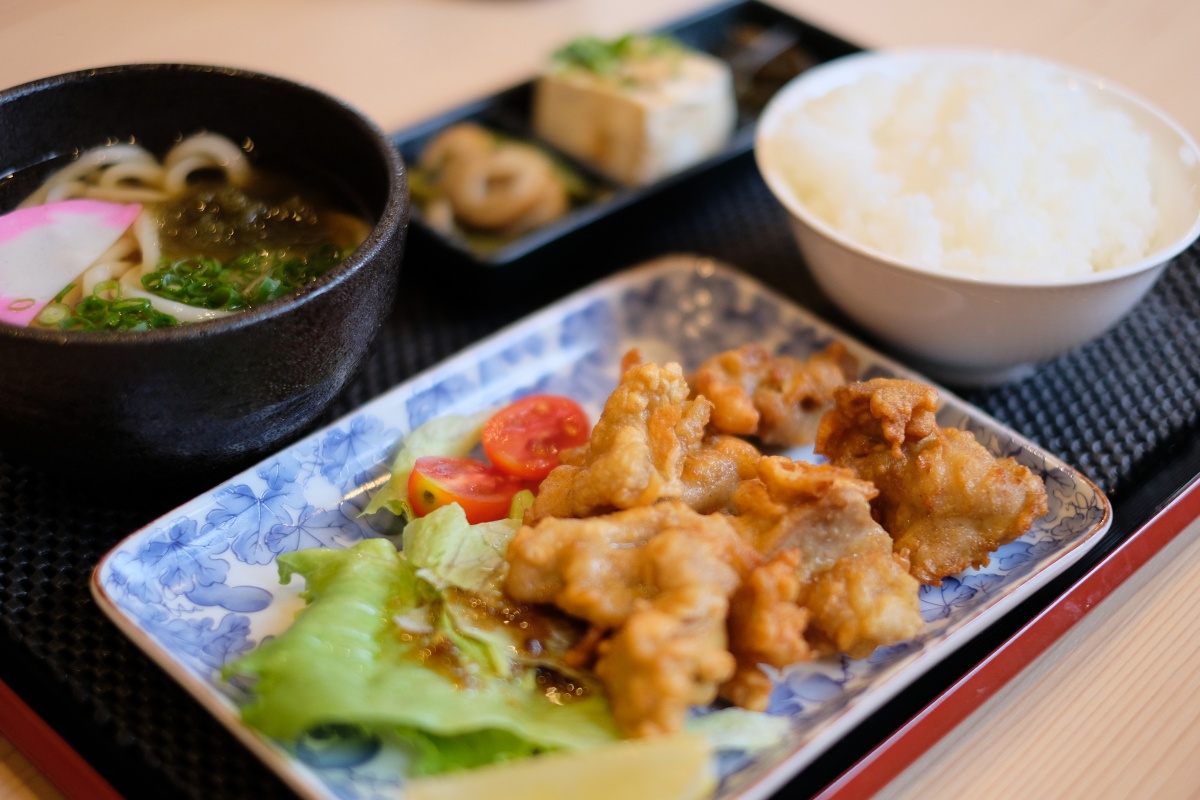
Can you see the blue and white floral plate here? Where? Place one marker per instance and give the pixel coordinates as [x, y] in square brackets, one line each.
[200, 587]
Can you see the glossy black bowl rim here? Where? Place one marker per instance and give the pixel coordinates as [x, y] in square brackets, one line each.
[390, 223]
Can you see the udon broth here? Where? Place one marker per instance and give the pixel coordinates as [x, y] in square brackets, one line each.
[210, 235]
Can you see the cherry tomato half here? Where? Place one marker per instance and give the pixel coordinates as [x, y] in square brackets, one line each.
[525, 437]
[483, 492]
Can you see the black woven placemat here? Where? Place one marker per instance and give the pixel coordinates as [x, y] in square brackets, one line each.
[1115, 408]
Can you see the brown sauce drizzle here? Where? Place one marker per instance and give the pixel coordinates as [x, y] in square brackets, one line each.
[544, 633]
[560, 689]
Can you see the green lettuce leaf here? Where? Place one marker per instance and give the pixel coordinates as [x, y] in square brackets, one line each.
[453, 552]
[466, 564]
[345, 660]
[433, 754]
[450, 435]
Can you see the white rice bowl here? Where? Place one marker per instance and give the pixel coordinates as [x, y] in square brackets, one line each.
[989, 169]
[978, 211]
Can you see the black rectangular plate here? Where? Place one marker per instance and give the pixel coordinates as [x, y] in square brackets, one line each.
[509, 111]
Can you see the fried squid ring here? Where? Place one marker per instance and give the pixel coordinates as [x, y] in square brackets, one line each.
[498, 190]
[465, 140]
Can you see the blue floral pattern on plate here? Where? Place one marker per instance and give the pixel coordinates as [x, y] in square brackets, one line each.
[200, 587]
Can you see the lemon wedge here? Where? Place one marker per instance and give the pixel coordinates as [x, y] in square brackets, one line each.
[668, 768]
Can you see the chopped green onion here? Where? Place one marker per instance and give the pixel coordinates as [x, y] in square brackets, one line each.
[22, 304]
[605, 56]
[245, 281]
[97, 312]
[248, 280]
[90, 307]
[221, 297]
[106, 286]
[53, 313]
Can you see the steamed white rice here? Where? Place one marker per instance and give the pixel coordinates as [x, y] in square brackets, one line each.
[995, 170]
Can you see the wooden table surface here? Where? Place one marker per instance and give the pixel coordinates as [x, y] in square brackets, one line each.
[401, 61]
[404, 60]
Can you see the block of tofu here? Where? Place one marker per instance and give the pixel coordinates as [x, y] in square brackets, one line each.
[648, 113]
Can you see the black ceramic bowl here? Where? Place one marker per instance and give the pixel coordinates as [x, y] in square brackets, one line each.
[172, 406]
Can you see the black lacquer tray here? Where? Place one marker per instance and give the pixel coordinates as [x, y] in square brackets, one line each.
[1124, 409]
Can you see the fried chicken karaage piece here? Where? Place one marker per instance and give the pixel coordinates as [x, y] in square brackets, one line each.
[660, 578]
[943, 497]
[779, 399]
[713, 470]
[862, 602]
[649, 444]
[857, 592]
[669, 655]
[636, 451]
[597, 568]
[822, 510]
[766, 627]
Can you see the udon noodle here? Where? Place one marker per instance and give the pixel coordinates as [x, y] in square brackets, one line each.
[203, 173]
[129, 173]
